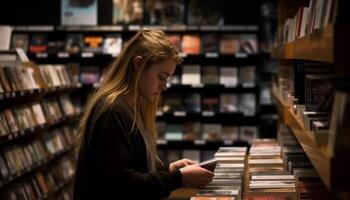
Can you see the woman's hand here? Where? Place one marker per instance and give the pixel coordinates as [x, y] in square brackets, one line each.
[195, 176]
[180, 164]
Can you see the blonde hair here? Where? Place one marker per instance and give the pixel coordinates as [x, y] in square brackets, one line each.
[121, 79]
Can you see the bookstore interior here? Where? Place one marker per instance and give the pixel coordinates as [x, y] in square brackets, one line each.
[260, 99]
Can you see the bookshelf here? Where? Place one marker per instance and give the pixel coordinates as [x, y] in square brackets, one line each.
[318, 46]
[325, 45]
[329, 168]
[37, 127]
[218, 59]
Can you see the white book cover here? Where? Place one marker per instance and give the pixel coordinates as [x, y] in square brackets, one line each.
[5, 37]
[265, 161]
[191, 75]
[272, 177]
[75, 12]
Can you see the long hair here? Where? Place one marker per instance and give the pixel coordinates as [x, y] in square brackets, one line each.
[122, 78]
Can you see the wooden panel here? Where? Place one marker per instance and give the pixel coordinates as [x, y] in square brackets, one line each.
[318, 46]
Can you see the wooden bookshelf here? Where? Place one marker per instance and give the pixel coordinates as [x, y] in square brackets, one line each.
[318, 46]
[329, 168]
[281, 107]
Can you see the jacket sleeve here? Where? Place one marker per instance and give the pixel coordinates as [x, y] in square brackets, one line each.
[115, 162]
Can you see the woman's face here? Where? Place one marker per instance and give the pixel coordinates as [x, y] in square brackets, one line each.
[154, 80]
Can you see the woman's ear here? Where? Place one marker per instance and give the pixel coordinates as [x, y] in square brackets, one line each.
[137, 62]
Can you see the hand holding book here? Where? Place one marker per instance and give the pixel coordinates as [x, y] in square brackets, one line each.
[180, 164]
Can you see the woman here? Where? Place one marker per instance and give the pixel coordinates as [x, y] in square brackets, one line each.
[117, 134]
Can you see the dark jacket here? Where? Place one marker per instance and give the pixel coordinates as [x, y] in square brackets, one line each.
[112, 162]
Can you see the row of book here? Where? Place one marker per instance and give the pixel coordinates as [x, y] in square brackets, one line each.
[194, 75]
[15, 159]
[44, 183]
[203, 75]
[37, 114]
[73, 43]
[190, 131]
[267, 175]
[308, 183]
[318, 14]
[229, 168]
[195, 103]
[24, 78]
[162, 12]
[188, 44]
[317, 100]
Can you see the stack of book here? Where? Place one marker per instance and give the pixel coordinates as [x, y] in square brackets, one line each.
[266, 176]
[228, 175]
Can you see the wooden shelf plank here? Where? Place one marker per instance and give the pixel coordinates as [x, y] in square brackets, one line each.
[281, 106]
[318, 46]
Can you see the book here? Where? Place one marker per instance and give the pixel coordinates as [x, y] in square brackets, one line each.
[193, 103]
[208, 164]
[191, 75]
[89, 75]
[93, 43]
[211, 131]
[74, 12]
[174, 132]
[175, 39]
[164, 12]
[248, 44]
[4, 128]
[192, 131]
[338, 139]
[248, 133]
[191, 44]
[13, 125]
[38, 43]
[20, 41]
[229, 44]
[74, 43]
[228, 76]
[229, 133]
[230, 193]
[210, 103]
[228, 103]
[210, 44]
[247, 104]
[318, 93]
[4, 80]
[247, 76]
[128, 13]
[209, 13]
[213, 198]
[112, 44]
[172, 103]
[210, 75]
